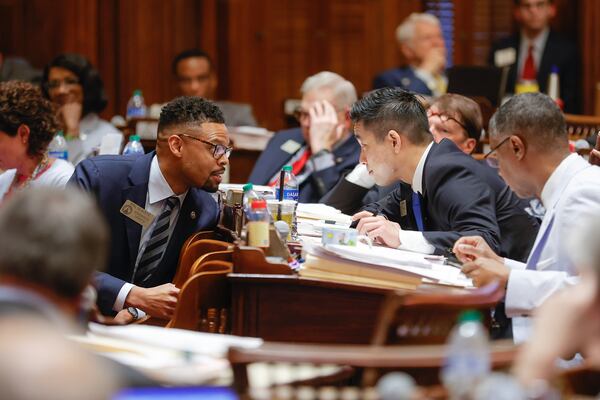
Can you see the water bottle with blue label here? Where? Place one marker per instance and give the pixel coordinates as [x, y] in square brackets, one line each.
[136, 107]
[58, 147]
[133, 146]
[290, 192]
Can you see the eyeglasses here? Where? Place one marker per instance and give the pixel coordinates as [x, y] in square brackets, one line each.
[445, 118]
[219, 149]
[55, 84]
[493, 161]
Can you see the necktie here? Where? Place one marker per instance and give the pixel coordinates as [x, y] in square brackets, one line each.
[529, 73]
[534, 258]
[297, 164]
[157, 244]
[416, 205]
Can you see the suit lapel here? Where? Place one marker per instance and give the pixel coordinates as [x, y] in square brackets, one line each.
[546, 61]
[187, 219]
[280, 157]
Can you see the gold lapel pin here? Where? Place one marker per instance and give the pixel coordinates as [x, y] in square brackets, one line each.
[193, 215]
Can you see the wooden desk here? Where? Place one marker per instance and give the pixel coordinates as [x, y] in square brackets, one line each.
[287, 308]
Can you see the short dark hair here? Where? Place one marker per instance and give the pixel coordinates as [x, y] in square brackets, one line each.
[466, 110]
[53, 237]
[190, 53]
[186, 110]
[534, 116]
[94, 97]
[518, 2]
[22, 103]
[392, 108]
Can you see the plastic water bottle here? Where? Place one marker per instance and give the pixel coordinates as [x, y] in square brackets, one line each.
[133, 146]
[58, 147]
[467, 356]
[136, 108]
[249, 195]
[290, 192]
[258, 224]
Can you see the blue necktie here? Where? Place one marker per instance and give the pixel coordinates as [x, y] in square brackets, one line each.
[537, 251]
[416, 205]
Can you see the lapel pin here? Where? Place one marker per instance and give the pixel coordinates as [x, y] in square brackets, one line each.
[193, 215]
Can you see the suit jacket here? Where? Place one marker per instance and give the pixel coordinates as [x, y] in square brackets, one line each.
[461, 197]
[349, 197]
[115, 179]
[237, 114]
[403, 77]
[558, 51]
[273, 158]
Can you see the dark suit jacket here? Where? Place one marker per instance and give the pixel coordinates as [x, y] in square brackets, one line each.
[558, 51]
[349, 197]
[464, 198]
[403, 77]
[273, 158]
[115, 179]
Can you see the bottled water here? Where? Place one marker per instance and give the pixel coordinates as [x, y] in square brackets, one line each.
[249, 196]
[290, 192]
[136, 108]
[58, 147]
[133, 146]
[467, 356]
[258, 224]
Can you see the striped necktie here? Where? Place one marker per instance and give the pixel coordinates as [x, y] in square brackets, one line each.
[157, 244]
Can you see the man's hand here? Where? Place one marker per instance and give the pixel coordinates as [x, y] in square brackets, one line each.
[71, 115]
[470, 248]
[435, 61]
[380, 230]
[361, 214]
[325, 129]
[595, 153]
[159, 301]
[483, 271]
[123, 317]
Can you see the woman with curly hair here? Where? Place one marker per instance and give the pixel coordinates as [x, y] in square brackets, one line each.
[27, 125]
[74, 85]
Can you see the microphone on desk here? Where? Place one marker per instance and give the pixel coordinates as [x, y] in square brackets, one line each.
[396, 386]
[283, 230]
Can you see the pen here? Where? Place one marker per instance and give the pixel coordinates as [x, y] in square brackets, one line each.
[354, 224]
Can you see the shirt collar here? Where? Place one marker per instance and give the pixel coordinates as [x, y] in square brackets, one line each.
[158, 187]
[417, 183]
[555, 183]
[539, 42]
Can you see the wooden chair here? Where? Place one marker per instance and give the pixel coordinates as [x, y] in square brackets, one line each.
[200, 264]
[204, 300]
[582, 126]
[427, 316]
[189, 254]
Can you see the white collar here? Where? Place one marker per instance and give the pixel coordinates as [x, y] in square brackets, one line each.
[158, 187]
[539, 42]
[555, 184]
[417, 182]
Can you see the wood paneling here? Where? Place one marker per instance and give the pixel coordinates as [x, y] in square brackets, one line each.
[590, 49]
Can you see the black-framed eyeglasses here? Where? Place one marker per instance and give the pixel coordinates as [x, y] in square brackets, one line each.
[493, 161]
[445, 118]
[219, 150]
[55, 84]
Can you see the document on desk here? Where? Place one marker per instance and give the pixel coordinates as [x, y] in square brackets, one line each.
[317, 211]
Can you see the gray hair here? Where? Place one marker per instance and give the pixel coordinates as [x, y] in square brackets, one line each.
[405, 32]
[52, 237]
[344, 93]
[534, 116]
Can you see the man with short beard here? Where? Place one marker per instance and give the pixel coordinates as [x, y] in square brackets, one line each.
[154, 202]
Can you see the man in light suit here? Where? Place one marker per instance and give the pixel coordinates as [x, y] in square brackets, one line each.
[529, 142]
[323, 149]
[155, 201]
[196, 76]
[548, 49]
[422, 44]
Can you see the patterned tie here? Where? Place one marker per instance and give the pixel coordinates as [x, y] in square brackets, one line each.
[416, 205]
[529, 73]
[537, 251]
[157, 244]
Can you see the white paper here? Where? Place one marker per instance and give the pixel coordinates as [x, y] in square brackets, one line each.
[111, 144]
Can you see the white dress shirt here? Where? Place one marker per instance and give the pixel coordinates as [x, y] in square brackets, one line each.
[539, 43]
[92, 129]
[158, 192]
[571, 196]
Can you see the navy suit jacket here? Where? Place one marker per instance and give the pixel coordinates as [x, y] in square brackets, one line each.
[462, 197]
[558, 51]
[403, 77]
[115, 179]
[273, 158]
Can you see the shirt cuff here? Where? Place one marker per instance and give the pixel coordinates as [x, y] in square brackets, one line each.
[514, 265]
[360, 177]
[323, 160]
[120, 301]
[415, 241]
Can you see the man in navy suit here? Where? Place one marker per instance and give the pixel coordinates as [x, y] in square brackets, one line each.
[323, 149]
[422, 44]
[154, 202]
[544, 48]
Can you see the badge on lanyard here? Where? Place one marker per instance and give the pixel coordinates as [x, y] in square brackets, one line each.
[403, 211]
[137, 213]
[291, 146]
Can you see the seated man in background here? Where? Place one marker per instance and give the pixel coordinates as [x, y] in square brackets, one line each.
[323, 149]
[452, 194]
[155, 201]
[528, 139]
[422, 44]
[196, 76]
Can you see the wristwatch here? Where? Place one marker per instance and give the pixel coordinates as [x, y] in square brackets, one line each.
[134, 312]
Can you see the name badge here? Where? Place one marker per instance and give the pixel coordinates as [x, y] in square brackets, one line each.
[505, 57]
[137, 213]
[290, 146]
[403, 211]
